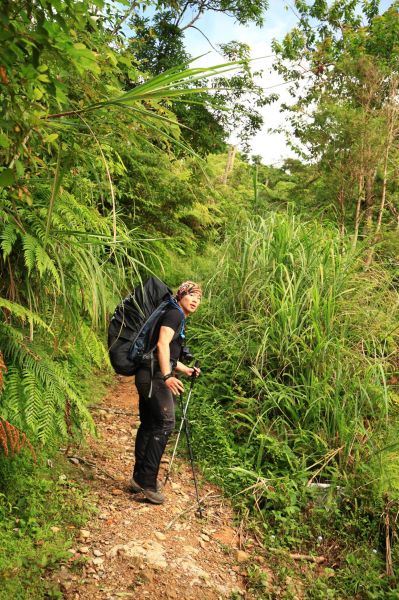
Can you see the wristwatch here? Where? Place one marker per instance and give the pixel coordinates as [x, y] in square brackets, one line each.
[167, 376]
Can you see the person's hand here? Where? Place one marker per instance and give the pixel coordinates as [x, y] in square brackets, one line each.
[174, 385]
[193, 371]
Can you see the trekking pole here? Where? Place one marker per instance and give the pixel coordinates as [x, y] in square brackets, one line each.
[190, 450]
[184, 408]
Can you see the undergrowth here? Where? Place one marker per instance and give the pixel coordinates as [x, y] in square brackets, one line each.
[40, 509]
[295, 416]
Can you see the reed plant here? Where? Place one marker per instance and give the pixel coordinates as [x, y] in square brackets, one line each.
[283, 330]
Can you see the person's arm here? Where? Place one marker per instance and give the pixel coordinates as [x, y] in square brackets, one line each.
[187, 370]
[165, 337]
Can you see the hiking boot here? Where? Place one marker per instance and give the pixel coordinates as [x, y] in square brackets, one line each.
[136, 488]
[154, 497]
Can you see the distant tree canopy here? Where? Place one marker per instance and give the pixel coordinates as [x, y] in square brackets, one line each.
[158, 44]
[184, 14]
[342, 65]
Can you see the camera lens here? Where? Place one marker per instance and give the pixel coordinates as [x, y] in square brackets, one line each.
[186, 354]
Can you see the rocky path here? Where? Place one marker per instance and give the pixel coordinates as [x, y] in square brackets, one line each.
[132, 549]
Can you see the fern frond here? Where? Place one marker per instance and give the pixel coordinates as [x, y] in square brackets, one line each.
[29, 246]
[3, 369]
[36, 256]
[8, 238]
[37, 389]
[23, 313]
[12, 439]
[44, 263]
[92, 346]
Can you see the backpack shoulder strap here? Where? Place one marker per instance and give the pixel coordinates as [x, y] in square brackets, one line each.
[181, 332]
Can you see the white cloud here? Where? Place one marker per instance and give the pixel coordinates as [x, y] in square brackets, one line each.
[221, 29]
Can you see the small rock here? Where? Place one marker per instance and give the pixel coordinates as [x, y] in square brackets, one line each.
[160, 536]
[190, 551]
[84, 549]
[260, 559]
[66, 585]
[98, 552]
[205, 537]
[236, 569]
[55, 529]
[241, 556]
[226, 536]
[84, 533]
[103, 516]
[147, 575]
[116, 492]
[72, 550]
[97, 561]
[74, 460]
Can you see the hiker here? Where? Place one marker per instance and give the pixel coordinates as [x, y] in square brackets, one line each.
[158, 386]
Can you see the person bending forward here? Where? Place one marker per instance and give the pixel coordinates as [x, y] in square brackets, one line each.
[157, 393]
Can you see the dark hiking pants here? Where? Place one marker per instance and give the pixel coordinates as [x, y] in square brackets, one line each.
[157, 421]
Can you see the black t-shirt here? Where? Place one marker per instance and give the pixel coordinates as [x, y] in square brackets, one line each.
[173, 318]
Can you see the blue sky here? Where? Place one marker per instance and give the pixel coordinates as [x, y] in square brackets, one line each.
[279, 19]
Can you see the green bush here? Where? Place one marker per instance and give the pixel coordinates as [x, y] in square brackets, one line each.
[296, 342]
[40, 509]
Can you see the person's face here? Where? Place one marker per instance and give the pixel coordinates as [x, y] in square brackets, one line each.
[190, 303]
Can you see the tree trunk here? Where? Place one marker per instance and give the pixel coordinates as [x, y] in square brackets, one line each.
[358, 208]
[341, 202]
[390, 138]
[229, 164]
[369, 200]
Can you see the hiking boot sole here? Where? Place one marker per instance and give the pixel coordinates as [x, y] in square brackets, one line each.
[135, 488]
[153, 497]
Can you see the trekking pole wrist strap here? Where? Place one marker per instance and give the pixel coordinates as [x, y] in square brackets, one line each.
[167, 376]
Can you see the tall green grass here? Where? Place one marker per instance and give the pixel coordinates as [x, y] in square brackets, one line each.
[298, 349]
[294, 342]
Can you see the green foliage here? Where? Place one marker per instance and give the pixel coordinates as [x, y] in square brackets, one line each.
[294, 342]
[40, 507]
[233, 105]
[75, 229]
[344, 69]
[68, 287]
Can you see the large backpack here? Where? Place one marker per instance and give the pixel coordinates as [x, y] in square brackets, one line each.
[134, 327]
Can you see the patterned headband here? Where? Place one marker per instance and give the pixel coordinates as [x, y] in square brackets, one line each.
[188, 287]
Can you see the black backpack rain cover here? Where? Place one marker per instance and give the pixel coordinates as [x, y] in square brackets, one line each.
[134, 327]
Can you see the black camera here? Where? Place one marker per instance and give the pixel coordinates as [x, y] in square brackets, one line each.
[185, 354]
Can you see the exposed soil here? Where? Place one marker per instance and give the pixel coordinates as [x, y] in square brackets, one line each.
[131, 548]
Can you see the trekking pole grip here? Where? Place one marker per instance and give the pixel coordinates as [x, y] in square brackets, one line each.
[196, 366]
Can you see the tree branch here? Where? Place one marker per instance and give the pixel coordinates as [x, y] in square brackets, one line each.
[197, 16]
[179, 18]
[207, 39]
[123, 19]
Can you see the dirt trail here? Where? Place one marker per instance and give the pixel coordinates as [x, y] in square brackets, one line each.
[138, 550]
